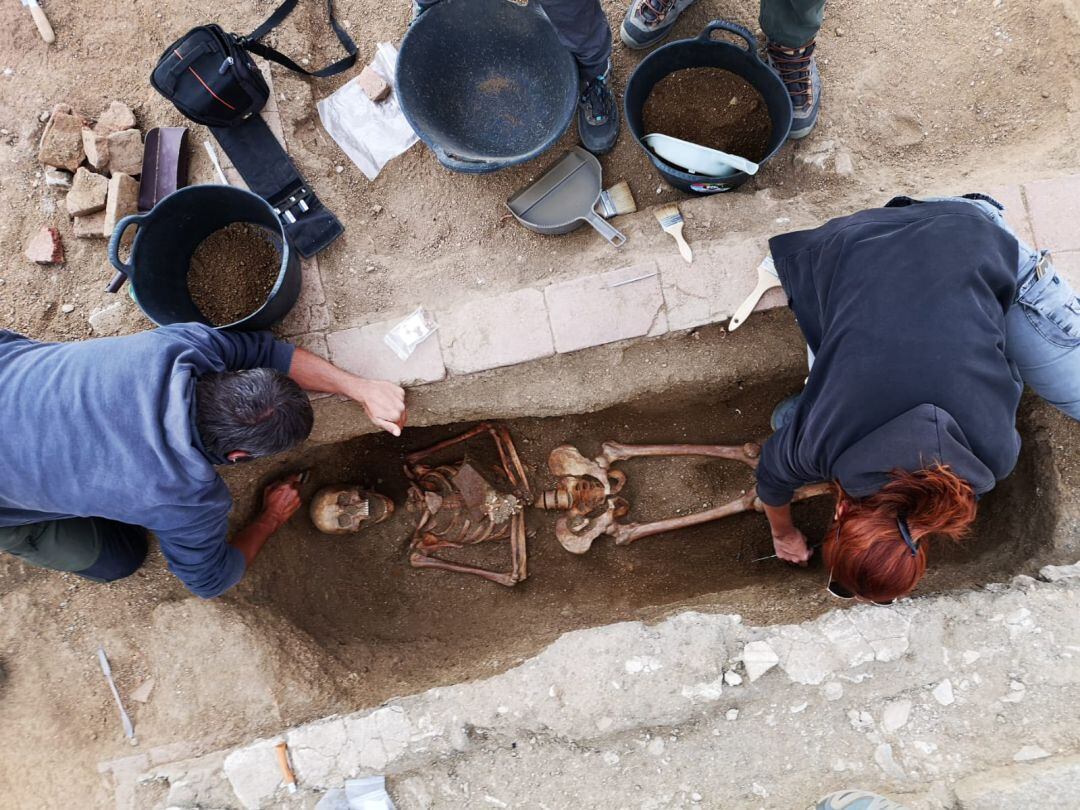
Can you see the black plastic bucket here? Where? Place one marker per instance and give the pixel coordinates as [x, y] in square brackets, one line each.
[702, 51]
[486, 84]
[169, 234]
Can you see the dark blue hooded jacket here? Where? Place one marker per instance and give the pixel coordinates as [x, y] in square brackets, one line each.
[904, 309]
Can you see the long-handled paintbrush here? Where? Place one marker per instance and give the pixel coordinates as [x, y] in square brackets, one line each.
[671, 220]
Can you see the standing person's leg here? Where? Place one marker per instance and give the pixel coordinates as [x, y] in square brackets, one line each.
[583, 28]
[95, 548]
[790, 28]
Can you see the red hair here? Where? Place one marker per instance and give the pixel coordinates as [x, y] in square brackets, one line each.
[869, 556]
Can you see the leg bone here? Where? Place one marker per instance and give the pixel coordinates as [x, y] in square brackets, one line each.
[614, 451]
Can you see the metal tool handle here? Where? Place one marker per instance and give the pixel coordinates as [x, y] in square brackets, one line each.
[613, 235]
[731, 28]
[123, 269]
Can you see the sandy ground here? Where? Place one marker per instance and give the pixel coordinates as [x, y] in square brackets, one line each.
[967, 94]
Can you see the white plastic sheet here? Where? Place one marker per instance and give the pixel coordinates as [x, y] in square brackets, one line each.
[370, 134]
[367, 793]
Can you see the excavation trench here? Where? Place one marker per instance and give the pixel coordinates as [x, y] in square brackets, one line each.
[357, 603]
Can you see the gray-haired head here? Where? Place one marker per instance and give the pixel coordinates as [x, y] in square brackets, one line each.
[256, 412]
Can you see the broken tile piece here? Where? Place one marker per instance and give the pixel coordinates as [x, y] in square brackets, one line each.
[141, 693]
[88, 193]
[46, 247]
[96, 147]
[373, 85]
[115, 118]
[90, 226]
[122, 200]
[126, 152]
[61, 142]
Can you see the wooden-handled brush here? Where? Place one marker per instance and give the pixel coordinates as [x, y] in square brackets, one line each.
[670, 219]
[617, 200]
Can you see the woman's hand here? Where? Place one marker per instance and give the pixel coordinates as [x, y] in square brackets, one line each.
[791, 546]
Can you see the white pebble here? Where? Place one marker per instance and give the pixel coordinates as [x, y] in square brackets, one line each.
[66, 308]
[732, 714]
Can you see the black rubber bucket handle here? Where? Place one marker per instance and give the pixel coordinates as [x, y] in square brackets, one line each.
[731, 28]
[123, 269]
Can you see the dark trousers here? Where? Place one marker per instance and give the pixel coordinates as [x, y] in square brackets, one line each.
[584, 30]
[95, 548]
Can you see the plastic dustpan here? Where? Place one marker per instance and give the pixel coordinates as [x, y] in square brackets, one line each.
[696, 158]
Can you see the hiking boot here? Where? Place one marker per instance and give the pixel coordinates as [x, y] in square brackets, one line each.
[598, 116]
[797, 68]
[649, 21]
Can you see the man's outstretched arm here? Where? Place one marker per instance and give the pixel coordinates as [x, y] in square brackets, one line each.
[384, 402]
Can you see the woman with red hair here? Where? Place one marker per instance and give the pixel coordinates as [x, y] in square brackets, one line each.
[924, 319]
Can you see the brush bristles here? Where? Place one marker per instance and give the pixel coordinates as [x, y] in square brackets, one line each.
[621, 199]
[668, 215]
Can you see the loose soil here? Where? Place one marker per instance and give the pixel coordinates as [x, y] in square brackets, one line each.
[232, 272]
[710, 107]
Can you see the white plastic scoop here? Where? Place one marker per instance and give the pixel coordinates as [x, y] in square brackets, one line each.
[698, 159]
[767, 279]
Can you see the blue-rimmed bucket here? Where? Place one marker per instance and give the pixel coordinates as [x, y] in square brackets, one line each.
[703, 51]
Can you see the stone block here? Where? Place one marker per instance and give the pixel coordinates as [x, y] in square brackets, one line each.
[373, 85]
[96, 147]
[91, 226]
[122, 200]
[61, 142]
[1016, 213]
[1067, 264]
[710, 289]
[108, 320]
[362, 351]
[493, 332]
[46, 247]
[1053, 205]
[603, 308]
[126, 151]
[88, 193]
[1047, 783]
[115, 118]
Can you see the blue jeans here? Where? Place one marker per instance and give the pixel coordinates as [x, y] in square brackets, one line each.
[1042, 328]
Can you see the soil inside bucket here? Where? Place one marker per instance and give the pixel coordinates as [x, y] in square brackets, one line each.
[232, 272]
[710, 107]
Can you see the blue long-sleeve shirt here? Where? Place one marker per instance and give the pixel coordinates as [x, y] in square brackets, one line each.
[105, 428]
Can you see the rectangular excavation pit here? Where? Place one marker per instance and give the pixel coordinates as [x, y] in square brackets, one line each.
[399, 630]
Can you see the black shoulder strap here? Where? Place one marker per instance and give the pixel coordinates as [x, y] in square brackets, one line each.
[251, 42]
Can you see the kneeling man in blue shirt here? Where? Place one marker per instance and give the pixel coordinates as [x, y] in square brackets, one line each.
[106, 439]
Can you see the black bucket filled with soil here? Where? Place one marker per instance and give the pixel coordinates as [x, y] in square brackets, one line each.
[211, 254]
[711, 93]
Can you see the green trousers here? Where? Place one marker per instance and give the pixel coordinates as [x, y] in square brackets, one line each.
[95, 548]
[791, 23]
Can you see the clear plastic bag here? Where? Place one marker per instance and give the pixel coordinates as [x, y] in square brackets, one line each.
[370, 134]
[410, 333]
